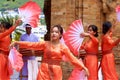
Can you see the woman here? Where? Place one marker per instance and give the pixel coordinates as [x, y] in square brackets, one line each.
[50, 68]
[4, 48]
[107, 63]
[91, 48]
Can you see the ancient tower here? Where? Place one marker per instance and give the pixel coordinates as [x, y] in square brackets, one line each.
[64, 12]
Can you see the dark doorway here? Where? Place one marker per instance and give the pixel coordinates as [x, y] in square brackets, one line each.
[47, 13]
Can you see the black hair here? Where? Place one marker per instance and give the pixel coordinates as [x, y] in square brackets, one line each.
[6, 25]
[106, 27]
[95, 29]
[59, 28]
[27, 25]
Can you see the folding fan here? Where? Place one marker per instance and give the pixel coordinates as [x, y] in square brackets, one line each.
[72, 36]
[29, 13]
[78, 74]
[62, 39]
[118, 13]
[64, 58]
[15, 59]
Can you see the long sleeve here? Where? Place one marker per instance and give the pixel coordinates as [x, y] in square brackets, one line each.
[94, 39]
[108, 43]
[111, 42]
[32, 45]
[72, 58]
[116, 42]
[82, 46]
[7, 32]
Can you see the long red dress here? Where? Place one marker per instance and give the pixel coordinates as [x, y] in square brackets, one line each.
[108, 62]
[4, 51]
[91, 61]
[50, 68]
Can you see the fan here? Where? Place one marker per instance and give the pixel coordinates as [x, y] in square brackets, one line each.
[15, 59]
[29, 13]
[118, 13]
[78, 74]
[72, 36]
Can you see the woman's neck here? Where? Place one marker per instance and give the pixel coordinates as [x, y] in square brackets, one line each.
[108, 33]
[55, 41]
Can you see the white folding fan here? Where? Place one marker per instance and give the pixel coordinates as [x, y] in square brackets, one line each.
[72, 36]
[29, 13]
[118, 12]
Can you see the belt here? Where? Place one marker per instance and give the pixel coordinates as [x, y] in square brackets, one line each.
[51, 61]
[104, 53]
[91, 53]
[107, 52]
[4, 52]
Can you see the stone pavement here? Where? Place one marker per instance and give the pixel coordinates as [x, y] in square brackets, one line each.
[15, 76]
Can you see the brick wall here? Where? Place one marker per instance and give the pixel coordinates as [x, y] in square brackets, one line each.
[64, 12]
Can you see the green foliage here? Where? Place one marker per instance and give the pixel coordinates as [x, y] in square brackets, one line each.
[17, 34]
[14, 5]
[11, 20]
[42, 21]
[8, 19]
[4, 4]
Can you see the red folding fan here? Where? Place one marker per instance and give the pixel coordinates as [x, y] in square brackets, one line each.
[118, 12]
[29, 13]
[72, 36]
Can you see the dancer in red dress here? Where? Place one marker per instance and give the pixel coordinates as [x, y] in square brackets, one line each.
[50, 68]
[108, 61]
[91, 48]
[5, 41]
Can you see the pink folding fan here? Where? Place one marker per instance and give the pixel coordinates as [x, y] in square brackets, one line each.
[118, 12]
[15, 59]
[29, 13]
[72, 36]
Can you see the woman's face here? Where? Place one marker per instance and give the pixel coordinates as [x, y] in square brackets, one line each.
[90, 31]
[55, 34]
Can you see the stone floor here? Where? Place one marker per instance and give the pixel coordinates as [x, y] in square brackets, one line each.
[15, 76]
[67, 69]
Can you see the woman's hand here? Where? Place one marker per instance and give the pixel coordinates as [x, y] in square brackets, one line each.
[12, 44]
[17, 23]
[86, 72]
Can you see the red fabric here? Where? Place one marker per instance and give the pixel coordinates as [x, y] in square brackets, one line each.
[108, 61]
[15, 59]
[77, 74]
[4, 51]
[4, 68]
[5, 39]
[91, 60]
[72, 36]
[29, 13]
[50, 66]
